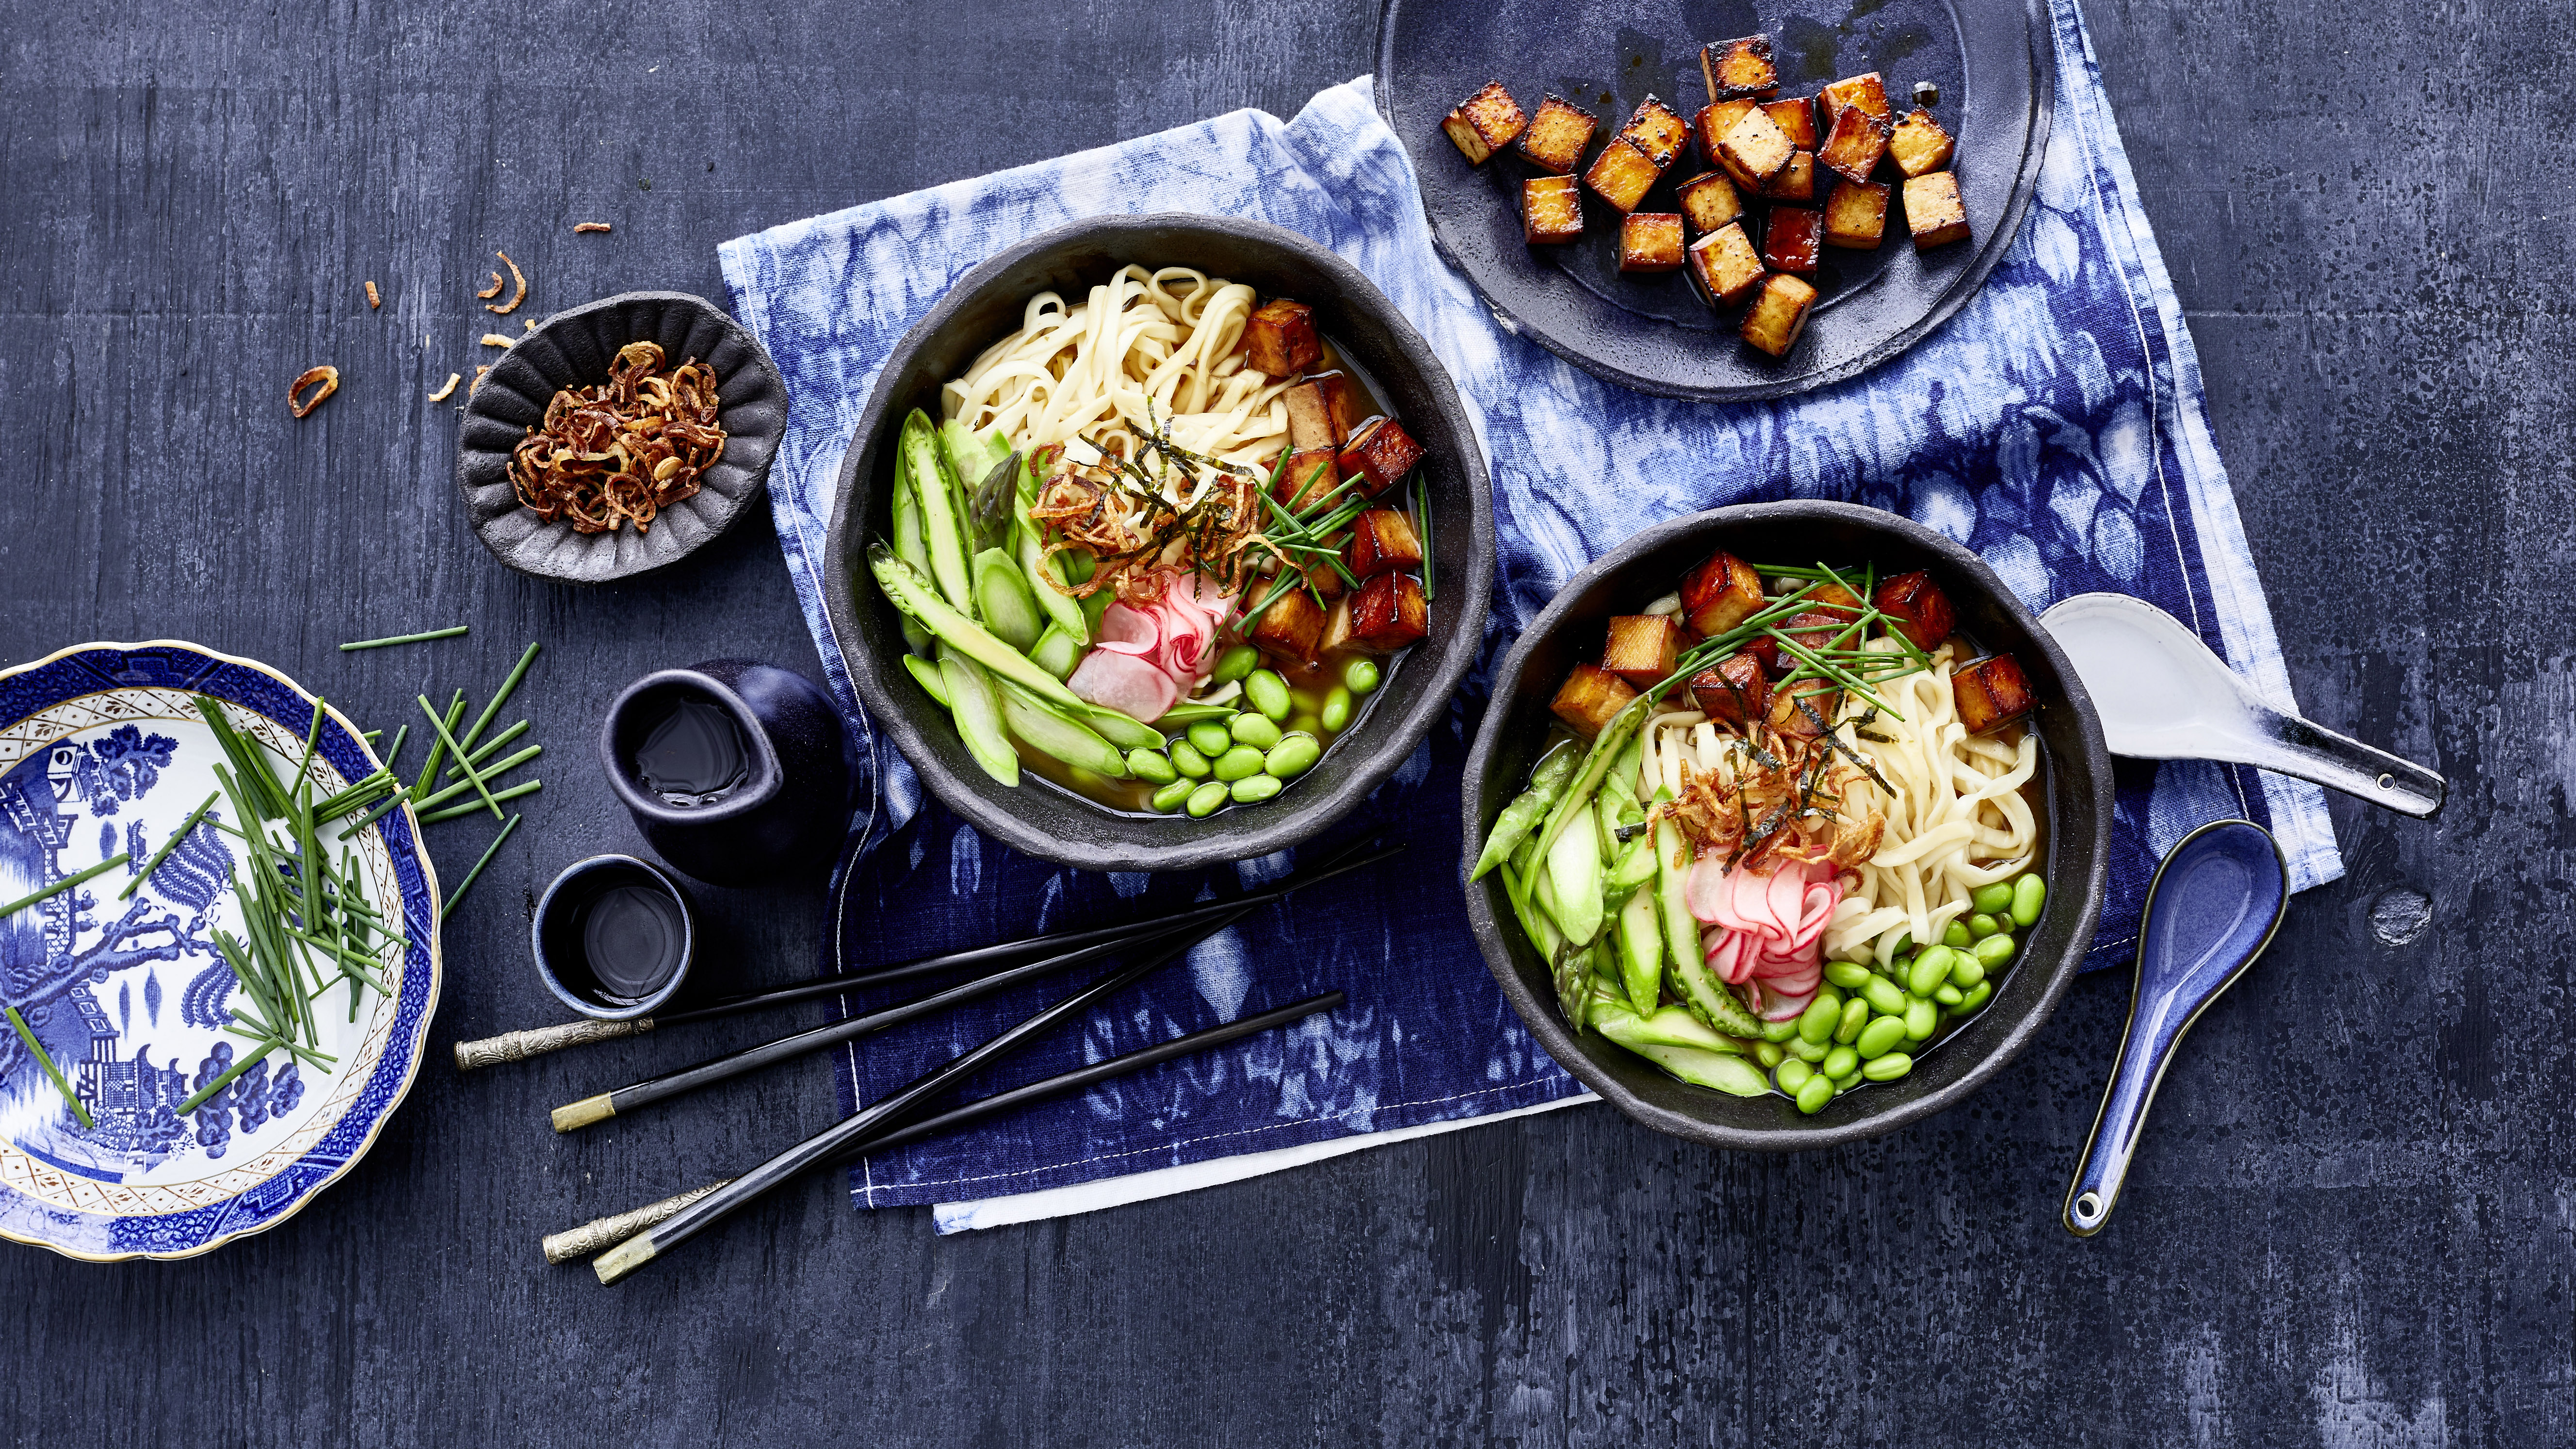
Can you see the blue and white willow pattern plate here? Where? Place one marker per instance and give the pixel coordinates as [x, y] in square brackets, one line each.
[103, 752]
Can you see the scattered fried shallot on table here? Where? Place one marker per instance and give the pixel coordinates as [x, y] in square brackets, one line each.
[373, 301]
[515, 275]
[496, 339]
[444, 393]
[329, 378]
[580, 227]
[624, 450]
[494, 289]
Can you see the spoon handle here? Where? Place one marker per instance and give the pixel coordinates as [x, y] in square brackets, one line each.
[2322, 757]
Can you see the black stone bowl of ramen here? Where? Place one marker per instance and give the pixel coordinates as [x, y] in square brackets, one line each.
[2074, 809]
[1369, 335]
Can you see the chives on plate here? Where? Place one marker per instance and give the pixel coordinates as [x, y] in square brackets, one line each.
[66, 883]
[51, 1070]
[171, 844]
[404, 639]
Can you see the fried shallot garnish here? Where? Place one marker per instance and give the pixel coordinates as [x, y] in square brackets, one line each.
[373, 301]
[516, 297]
[326, 375]
[1792, 798]
[494, 289]
[445, 392]
[581, 227]
[622, 451]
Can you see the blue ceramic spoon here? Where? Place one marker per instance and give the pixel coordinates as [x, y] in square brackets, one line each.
[2211, 909]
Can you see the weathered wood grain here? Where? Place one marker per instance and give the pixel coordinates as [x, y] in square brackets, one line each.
[2349, 1224]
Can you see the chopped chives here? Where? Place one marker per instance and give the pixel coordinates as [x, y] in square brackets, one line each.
[198, 1098]
[468, 883]
[396, 752]
[500, 697]
[450, 792]
[66, 883]
[379, 813]
[171, 844]
[475, 807]
[438, 747]
[51, 1070]
[485, 750]
[1422, 529]
[405, 639]
[471, 776]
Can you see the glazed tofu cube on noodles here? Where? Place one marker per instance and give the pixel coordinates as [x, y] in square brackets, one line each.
[1380, 454]
[1292, 626]
[1281, 339]
[1389, 613]
[1641, 648]
[1558, 135]
[1720, 593]
[1382, 542]
[1922, 612]
[1736, 691]
[1991, 693]
[1311, 474]
[1485, 122]
[1340, 405]
[1589, 698]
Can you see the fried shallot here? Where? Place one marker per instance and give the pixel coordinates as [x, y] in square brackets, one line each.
[326, 375]
[624, 450]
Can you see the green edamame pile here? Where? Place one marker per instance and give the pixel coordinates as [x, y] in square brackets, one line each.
[1247, 751]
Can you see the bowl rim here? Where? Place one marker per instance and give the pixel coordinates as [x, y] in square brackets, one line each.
[765, 442]
[1274, 828]
[1540, 1017]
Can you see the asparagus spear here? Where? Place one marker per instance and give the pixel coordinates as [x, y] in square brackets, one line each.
[979, 717]
[1530, 807]
[917, 454]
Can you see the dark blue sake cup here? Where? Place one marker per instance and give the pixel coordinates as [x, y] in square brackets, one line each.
[786, 816]
[563, 959]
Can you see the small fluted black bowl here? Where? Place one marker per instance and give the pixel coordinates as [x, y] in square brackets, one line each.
[2075, 764]
[985, 305]
[574, 349]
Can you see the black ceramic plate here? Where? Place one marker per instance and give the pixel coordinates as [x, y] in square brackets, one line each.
[985, 305]
[2076, 762]
[574, 349]
[1991, 58]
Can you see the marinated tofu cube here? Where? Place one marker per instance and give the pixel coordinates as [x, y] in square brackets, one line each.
[1779, 313]
[1642, 648]
[1811, 630]
[1658, 130]
[1856, 215]
[1589, 699]
[1832, 598]
[1558, 135]
[1382, 542]
[1720, 593]
[1327, 581]
[1621, 174]
[1725, 267]
[1919, 145]
[1310, 419]
[1796, 118]
[1991, 692]
[1793, 239]
[1651, 241]
[1754, 150]
[1379, 455]
[1710, 125]
[1735, 68]
[1854, 146]
[1551, 210]
[1337, 627]
[1311, 474]
[1796, 181]
[1805, 709]
[1710, 202]
[1934, 211]
[1865, 91]
[1341, 402]
[1921, 611]
[1388, 613]
[1294, 625]
[1485, 122]
[1281, 339]
[1735, 691]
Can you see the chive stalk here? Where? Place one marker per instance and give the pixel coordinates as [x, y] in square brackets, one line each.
[468, 883]
[51, 1071]
[171, 844]
[420, 638]
[66, 883]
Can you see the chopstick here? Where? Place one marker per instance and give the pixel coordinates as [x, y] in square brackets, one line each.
[536, 1041]
[886, 1111]
[576, 1115]
[600, 1234]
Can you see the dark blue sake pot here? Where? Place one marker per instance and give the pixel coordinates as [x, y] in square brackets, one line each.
[786, 817]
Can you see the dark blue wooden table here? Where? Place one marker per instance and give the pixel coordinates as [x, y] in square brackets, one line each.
[2352, 1222]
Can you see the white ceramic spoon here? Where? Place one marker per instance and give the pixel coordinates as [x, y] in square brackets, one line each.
[2163, 695]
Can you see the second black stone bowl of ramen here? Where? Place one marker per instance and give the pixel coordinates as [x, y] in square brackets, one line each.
[986, 305]
[2075, 816]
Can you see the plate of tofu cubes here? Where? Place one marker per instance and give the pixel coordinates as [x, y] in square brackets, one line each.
[1714, 199]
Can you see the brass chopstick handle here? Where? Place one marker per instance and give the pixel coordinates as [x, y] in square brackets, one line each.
[600, 1234]
[518, 1046]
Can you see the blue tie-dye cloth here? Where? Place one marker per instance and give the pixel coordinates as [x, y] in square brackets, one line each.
[2055, 425]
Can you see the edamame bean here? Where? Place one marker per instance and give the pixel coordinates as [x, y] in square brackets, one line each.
[1360, 676]
[1848, 975]
[1770, 1054]
[1813, 1096]
[1305, 724]
[1187, 759]
[1252, 789]
[1235, 663]
[1842, 1061]
[1152, 766]
[1880, 1039]
[1257, 730]
[1292, 756]
[1336, 713]
[1204, 799]
[1855, 1016]
[1174, 795]
[1905, 943]
[1807, 1051]
[1992, 900]
[1946, 994]
[1268, 692]
[1967, 971]
[1957, 937]
[1975, 996]
[1237, 763]
[2029, 894]
[1994, 951]
[1884, 996]
[1889, 1067]
[1793, 1074]
[1921, 1020]
[1929, 969]
[1210, 738]
[1780, 1031]
[1981, 926]
[1818, 1022]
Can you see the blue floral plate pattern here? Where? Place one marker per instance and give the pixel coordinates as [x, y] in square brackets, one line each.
[103, 753]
